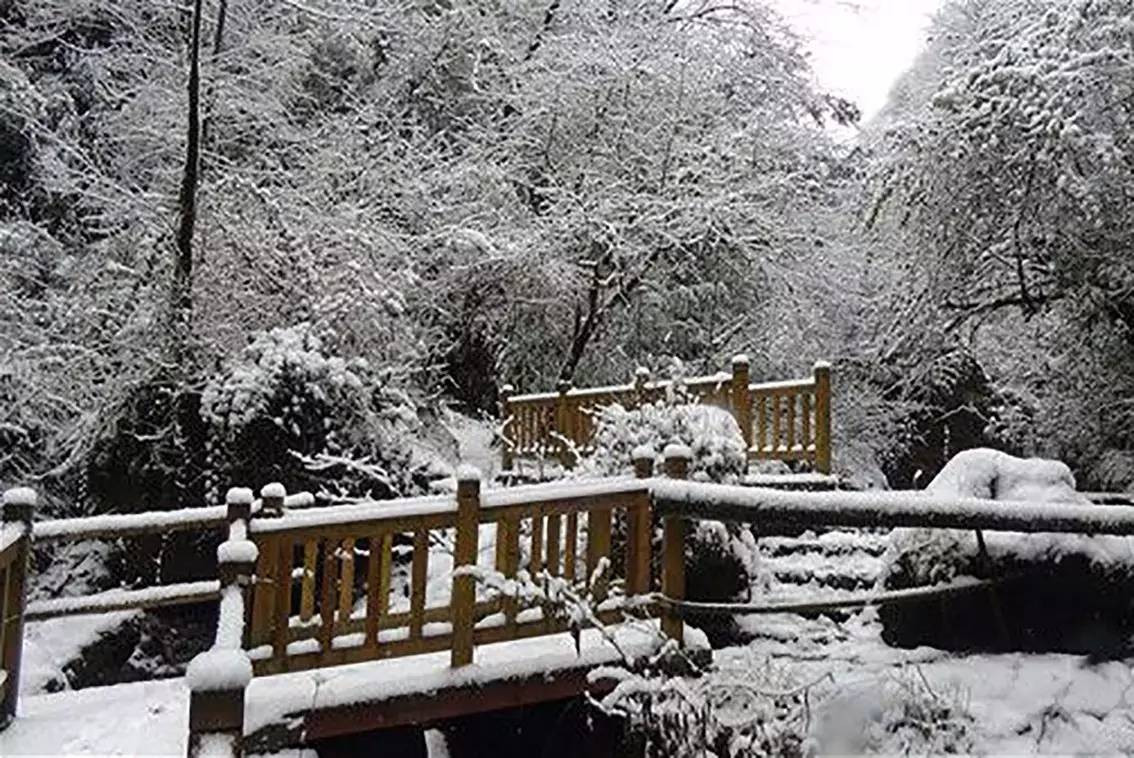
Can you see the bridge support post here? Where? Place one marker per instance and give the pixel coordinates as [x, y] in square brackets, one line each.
[741, 399]
[506, 441]
[822, 374]
[564, 425]
[464, 554]
[639, 529]
[19, 506]
[641, 377]
[673, 548]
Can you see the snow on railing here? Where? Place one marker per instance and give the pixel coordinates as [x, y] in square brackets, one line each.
[218, 677]
[782, 420]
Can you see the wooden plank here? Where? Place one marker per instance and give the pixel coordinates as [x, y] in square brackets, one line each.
[805, 402]
[327, 597]
[790, 421]
[777, 422]
[571, 545]
[553, 528]
[374, 568]
[535, 563]
[638, 535]
[263, 591]
[673, 574]
[346, 579]
[598, 547]
[282, 602]
[418, 576]
[761, 422]
[307, 588]
[347, 529]
[511, 566]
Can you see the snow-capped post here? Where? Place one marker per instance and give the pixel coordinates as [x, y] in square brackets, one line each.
[564, 423]
[639, 529]
[822, 374]
[641, 377]
[238, 501]
[464, 554]
[677, 459]
[505, 418]
[19, 507]
[272, 500]
[741, 398]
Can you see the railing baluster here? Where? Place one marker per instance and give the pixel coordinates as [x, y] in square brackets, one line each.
[327, 597]
[464, 554]
[776, 423]
[761, 423]
[282, 603]
[535, 564]
[418, 577]
[373, 580]
[790, 422]
[264, 592]
[346, 580]
[511, 566]
[307, 596]
[571, 545]
[553, 527]
[805, 402]
[598, 547]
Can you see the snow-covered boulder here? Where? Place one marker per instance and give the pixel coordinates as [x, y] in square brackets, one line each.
[1051, 581]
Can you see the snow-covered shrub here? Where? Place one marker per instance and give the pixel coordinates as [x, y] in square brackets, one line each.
[1065, 591]
[710, 433]
[286, 410]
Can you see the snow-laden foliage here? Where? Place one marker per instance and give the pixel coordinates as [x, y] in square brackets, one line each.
[710, 433]
[287, 409]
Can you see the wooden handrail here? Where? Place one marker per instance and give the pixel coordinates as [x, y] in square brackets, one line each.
[16, 529]
[787, 420]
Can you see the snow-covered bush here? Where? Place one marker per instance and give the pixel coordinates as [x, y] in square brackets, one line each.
[1066, 591]
[286, 410]
[710, 433]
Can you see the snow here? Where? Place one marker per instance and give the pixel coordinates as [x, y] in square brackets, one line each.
[560, 490]
[51, 644]
[271, 699]
[117, 598]
[643, 453]
[468, 473]
[753, 504]
[239, 496]
[219, 669]
[740, 359]
[24, 496]
[357, 513]
[140, 718]
[275, 489]
[216, 746]
[10, 532]
[237, 551]
[674, 450]
[153, 521]
[299, 500]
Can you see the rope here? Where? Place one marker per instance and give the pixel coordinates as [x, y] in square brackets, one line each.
[694, 608]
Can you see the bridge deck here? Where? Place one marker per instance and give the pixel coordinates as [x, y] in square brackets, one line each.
[148, 718]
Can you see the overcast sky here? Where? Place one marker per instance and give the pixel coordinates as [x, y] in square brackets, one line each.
[860, 47]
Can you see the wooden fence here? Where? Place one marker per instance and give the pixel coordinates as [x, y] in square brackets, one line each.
[785, 420]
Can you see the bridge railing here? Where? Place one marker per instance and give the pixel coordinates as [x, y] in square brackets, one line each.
[785, 420]
[323, 596]
[15, 550]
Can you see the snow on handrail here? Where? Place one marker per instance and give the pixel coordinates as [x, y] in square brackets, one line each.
[884, 509]
[565, 490]
[128, 524]
[120, 600]
[782, 384]
[376, 510]
[10, 533]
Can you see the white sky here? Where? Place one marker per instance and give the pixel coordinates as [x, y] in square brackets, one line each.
[860, 47]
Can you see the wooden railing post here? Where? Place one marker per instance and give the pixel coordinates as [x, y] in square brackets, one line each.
[677, 459]
[507, 441]
[564, 424]
[218, 678]
[741, 399]
[19, 507]
[272, 500]
[822, 373]
[639, 528]
[464, 554]
[641, 377]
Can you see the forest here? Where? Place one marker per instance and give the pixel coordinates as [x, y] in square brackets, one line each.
[391, 207]
[314, 242]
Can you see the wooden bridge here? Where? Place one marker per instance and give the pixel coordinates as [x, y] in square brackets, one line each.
[309, 646]
[783, 420]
